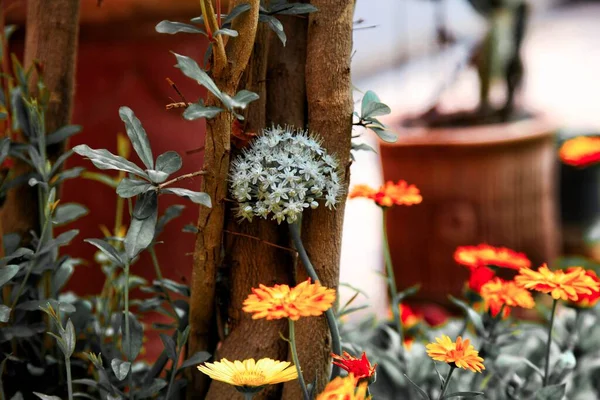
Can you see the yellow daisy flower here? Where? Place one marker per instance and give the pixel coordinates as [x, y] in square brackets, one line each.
[565, 285]
[460, 354]
[345, 389]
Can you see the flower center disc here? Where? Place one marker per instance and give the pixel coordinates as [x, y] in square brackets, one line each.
[249, 378]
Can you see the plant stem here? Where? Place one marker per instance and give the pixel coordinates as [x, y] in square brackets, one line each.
[69, 382]
[180, 178]
[336, 344]
[391, 278]
[247, 396]
[159, 275]
[548, 345]
[172, 378]
[127, 331]
[296, 360]
[446, 382]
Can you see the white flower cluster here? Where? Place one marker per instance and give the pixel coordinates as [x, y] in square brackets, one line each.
[282, 172]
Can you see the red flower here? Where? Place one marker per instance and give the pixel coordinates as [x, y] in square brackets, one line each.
[486, 255]
[8, 163]
[479, 277]
[587, 300]
[361, 368]
[580, 151]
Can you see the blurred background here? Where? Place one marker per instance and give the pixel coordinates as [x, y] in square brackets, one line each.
[481, 92]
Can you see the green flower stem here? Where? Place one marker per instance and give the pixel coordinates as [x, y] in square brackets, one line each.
[173, 373]
[247, 396]
[296, 360]
[69, 381]
[159, 276]
[127, 331]
[447, 382]
[336, 344]
[391, 278]
[549, 344]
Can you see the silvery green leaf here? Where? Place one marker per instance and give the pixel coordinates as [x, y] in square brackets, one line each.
[146, 205]
[169, 162]
[137, 136]
[237, 10]
[68, 212]
[173, 286]
[197, 358]
[46, 397]
[7, 273]
[35, 371]
[505, 360]
[61, 240]
[372, 107]
[63, 133]
[244, 97]
[69, 338]
[136, 333]
[4, 313]
[34, 305]
[171, 213]
[466, 395]
[197, 197]
[190, 68]
[152, 389]
[189, 228]
[157, 177]
[553, 392]
[169, 346]
[275, 26]
[107, 249]
[62, 275]
[120, 368]
[198, 110]
[103, 159]
[226, 32]
[140, 235]
[386, 136]
[172, 28]
[17, 396]
[67, 174]
[132, 187]
[419, 390]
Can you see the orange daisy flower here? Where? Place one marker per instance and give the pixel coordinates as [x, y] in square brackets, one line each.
[390, 194]
[280, 301]
[344, 388]
[587, 300]
[486, 255]
[560, 284]
[361, 367]
[460, 354]
[497, 293]
[580, 151]
[479, 277]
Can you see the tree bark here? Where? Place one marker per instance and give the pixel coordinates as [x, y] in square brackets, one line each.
[330, 109]
[208, 248]
[51, 38]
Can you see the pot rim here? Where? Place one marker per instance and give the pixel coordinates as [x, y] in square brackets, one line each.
[537, 127]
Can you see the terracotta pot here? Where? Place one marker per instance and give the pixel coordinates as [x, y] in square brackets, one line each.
[494, 184]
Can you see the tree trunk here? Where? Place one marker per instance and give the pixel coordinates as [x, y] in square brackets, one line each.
[208, 248]
[51, 38]
[330, 109]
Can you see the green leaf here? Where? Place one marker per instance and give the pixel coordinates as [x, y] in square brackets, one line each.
[190, 68]
[68, 212]
[171, 213]
[237, 10]
[275, 26]
[63, 133]
[136, 333]
[196, 359]
[471, 314]
[132, 187]
[293, 9]
[63, 273]
[146, 205]
[169, 162]
[137, 136]
[419, 390]
[197, 197]
[140, 235]
[149, 391]
[467, 395]
[198, 110]
[7, 273]
[46, 397]
[35, 305]
[103, 159]
[61, 240]
[408, 292]
[169, 344]
[505, 360]
[386, 136]
[173, 286]
[244, 97]
[107, 249]
[553, 392]
[69, 338]
[226, 32]
[4, 313]
[120, 368]
[157, 177]
[172, 28]
[372, 107]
